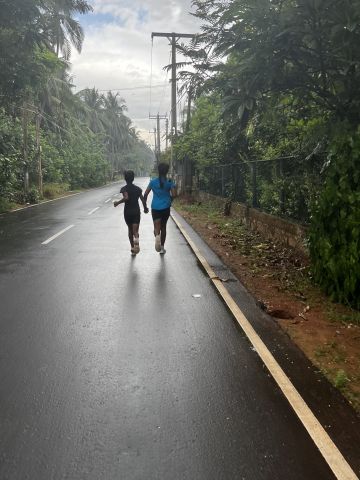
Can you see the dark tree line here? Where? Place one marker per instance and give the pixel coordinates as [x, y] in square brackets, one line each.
[50, 137]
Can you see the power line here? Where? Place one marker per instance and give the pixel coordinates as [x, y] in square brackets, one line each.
[151, 73]
[143, 87]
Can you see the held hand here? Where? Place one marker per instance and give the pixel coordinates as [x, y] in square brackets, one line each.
[116, 204]
[146, 210]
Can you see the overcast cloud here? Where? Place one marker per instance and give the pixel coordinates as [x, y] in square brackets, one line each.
[117, 52]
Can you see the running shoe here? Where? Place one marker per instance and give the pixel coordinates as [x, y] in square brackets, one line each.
[136, 245]
[157, 243]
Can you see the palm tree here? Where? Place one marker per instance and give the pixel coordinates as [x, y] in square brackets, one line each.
[94, 109]
[63, 28]
[119, 128]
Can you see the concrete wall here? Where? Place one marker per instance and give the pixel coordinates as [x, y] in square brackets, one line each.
[275, 228]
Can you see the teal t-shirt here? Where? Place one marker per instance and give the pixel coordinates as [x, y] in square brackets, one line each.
[161, 196]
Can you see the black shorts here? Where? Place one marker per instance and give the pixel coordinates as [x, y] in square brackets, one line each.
[162, 215]
[132, 218]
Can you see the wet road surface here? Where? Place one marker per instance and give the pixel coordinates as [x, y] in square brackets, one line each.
[110, 368]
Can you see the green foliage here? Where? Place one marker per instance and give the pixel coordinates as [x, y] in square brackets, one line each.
[82, 140]
[204, 142]
[335, 227]
[341, 379]
[275, 79]
[54, 190]
[10, 156]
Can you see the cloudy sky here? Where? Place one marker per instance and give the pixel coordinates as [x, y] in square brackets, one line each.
[117, 53]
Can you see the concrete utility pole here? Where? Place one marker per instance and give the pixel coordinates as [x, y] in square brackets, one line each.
[38, 153]
[167, 133]
[158, 149]
[173, 38]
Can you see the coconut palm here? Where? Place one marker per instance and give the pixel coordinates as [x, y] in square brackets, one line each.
[118, 128]
[64, 30]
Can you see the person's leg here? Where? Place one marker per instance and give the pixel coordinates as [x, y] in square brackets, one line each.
[131, 236]
[156, 215]
[135, 228]
[164, 219]
[163, 233]
[157, 227]
[157, 233]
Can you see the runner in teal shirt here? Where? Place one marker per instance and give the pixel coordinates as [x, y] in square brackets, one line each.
[164, 191]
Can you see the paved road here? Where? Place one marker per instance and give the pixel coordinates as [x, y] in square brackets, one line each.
[110, 368]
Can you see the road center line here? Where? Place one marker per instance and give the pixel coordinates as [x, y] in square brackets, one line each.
[94, 210]
[326, 446]
[57, 235]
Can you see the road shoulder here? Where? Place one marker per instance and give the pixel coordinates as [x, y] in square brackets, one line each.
[327, 404]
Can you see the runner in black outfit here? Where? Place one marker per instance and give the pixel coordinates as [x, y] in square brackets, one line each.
[131, 194]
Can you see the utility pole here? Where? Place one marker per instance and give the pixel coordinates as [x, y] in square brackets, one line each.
[188, 117]
[173, 38]
[167, 133]
[155, 147]
[38, 153]
[158, 149]
[25, 147]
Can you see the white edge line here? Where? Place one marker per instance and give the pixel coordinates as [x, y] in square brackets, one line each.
[93, 211]
[322, 440]
[59, 198]
[57, 235]
[108, 200]
[41, 203]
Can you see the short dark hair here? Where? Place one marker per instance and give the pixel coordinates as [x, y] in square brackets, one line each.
[129, 176]
[163, 169]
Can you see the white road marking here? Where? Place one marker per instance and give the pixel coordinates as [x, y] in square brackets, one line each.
[41, 203]
[94, 210]
[326, 446]
[108, 200]
[57, 235]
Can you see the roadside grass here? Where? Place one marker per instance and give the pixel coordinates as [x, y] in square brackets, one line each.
[291, 274]
[55, 190]
[351, 317]
[51, 191]
[5, 205]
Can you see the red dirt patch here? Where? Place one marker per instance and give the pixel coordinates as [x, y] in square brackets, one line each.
[279, 278]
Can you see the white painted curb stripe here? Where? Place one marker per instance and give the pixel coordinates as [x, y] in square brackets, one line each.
[94, 210]
[328, 449]
[57, 235]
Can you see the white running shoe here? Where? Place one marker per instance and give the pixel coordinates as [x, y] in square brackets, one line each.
[157, 243]
[136, 245]
[162, 251]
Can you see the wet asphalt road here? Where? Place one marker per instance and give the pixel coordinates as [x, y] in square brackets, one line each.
[111, 369]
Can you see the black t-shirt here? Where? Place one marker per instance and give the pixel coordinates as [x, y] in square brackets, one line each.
[134, 192]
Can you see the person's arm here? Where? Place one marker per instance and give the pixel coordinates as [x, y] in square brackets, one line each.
[146, 210]
[123, 200]
[173, 192]
[146, 194]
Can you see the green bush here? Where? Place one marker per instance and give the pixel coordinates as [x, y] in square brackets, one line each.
[5, 205]
[335, 226]
[32, 196]
[53, 190]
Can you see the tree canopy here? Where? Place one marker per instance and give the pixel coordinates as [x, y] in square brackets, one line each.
[277, 86]
[49, 133]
